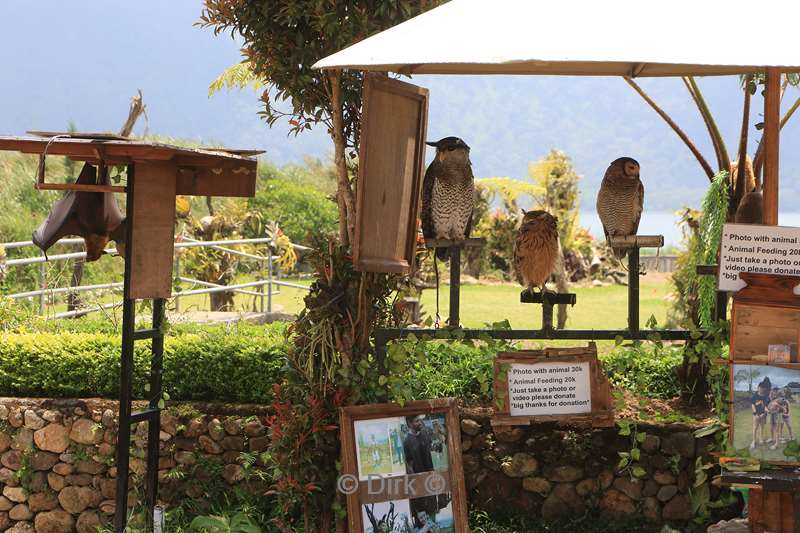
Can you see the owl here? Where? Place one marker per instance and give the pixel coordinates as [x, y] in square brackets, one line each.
[536, 250]
[620, 200]
[448, 193]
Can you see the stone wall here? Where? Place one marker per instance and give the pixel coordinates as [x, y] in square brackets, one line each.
[57, 469]
[556, 471]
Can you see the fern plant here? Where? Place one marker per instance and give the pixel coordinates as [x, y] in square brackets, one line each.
[715, 213]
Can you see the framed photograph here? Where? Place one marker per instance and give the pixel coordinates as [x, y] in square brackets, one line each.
[402, 470]
[765, 410]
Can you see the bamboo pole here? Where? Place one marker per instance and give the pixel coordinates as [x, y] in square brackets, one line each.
[772, 110]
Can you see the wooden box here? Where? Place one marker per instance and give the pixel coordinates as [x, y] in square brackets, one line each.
[556, 384]
[765, 313]
[390, 166]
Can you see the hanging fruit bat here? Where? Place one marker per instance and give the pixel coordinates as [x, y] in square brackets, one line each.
[95, 216]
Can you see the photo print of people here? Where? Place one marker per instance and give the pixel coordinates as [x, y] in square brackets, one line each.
[397, 446]
[766, 410]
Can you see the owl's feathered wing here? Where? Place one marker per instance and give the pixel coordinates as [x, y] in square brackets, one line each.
[620, 206]
[536, 253]
[426, 212]
[640, 206]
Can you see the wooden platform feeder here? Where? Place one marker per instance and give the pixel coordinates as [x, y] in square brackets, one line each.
[157, 173]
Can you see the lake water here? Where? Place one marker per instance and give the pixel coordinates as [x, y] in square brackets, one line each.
[663, 223]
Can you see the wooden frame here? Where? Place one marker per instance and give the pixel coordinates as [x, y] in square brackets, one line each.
[391, 160]
[390, 485]
[732, 407]
[602, 410]
[764, 312]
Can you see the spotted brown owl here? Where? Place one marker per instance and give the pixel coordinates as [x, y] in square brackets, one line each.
[448, 193]
[536, 250]
[621, 200]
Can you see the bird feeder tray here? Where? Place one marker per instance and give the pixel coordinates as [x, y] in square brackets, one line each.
[158, 173]
[390, 166]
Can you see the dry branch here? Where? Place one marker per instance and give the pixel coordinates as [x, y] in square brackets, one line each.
[688, 142]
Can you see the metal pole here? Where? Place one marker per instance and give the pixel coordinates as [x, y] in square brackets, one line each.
[126, 371]
[455, 285]
[269, 283]
[547, 312]
[154, 423]
[633, 289]
[42, 287]
[178, 277]
[124, 429]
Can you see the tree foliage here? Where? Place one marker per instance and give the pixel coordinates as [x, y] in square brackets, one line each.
[282, 40]
[556, 177]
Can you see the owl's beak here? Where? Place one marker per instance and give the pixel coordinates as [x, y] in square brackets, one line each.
[431, 144]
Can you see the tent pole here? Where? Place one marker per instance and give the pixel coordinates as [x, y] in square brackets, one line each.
[772, 110]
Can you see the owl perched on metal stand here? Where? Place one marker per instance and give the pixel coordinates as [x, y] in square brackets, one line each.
[621, 200]
[448, 193]
[536, 250]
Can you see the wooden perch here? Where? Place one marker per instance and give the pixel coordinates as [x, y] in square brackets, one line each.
[473, 242]
[637, 241]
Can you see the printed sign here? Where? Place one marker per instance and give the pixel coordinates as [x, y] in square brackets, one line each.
[760, 249]
[539, 389]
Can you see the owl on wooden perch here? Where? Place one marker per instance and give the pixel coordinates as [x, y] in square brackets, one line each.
[448, 193]
[620, 200]
[536, 250]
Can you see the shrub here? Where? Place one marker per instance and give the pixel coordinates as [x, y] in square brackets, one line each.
[648, 370]
[299, 210]
[238, 364]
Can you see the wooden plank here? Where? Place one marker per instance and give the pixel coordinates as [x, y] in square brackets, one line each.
[236, 179]
[391, 160]
[637, 241]
[772, 111]
[78, 187]
[79, 135]
[153, 186]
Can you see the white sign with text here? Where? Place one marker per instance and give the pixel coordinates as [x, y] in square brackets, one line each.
[541, 389]
[760, 249]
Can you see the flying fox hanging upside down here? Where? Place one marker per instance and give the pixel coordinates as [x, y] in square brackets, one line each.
[95, 216]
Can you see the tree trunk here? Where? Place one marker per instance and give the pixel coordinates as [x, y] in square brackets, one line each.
[344, 194]
[221, 301]
[562, 286]
[73, 301]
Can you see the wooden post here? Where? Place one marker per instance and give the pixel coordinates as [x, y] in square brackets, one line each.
[772, 110]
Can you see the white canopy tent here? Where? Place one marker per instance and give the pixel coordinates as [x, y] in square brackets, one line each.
[585, 38]
[588, 38]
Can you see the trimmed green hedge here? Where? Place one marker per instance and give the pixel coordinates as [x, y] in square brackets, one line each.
[236, 364]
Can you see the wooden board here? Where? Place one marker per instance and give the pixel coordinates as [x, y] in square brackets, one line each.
[391, 160]
[201, 172]
[602, 410]
[397, 488]
[765, 312]
[153, 232]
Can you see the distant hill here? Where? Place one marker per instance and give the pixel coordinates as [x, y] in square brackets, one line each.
[508, 121]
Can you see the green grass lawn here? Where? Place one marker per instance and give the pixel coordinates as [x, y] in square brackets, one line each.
[596, 307]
